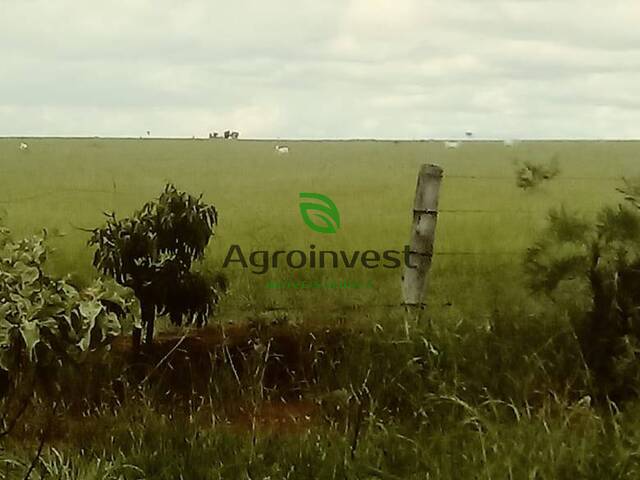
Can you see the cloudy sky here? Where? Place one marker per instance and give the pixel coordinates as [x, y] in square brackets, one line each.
[321, 68]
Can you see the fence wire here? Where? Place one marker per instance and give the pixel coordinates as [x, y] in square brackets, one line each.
[511, 179]
[115, 191]
[340, 308]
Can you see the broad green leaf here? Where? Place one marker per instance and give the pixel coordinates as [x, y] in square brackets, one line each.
[89, 311]
[31, 335]
[109, 325]
[30, 274]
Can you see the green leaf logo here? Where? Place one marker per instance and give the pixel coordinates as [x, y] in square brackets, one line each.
[319, 213]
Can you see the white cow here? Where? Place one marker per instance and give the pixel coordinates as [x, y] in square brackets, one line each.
[451, 144]
[282, 149]
[24, 146]
[510, 142]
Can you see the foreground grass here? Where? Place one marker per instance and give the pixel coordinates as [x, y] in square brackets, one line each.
[558, 441]
[506, 399]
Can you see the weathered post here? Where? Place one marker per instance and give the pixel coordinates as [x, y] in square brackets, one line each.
[423, 230]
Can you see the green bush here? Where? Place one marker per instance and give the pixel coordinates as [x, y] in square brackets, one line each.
[47, 324]
[152, 252]
[592, 270]
[531, 175]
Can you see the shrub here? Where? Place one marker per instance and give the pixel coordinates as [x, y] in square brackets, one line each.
[592, 269]
[531, 175]
[47, 326]
[152, 252]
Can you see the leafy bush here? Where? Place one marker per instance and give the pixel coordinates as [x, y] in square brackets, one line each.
[531, 175]
[592, 269]
[46, 322]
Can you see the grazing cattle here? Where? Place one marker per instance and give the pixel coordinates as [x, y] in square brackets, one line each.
[24, 146]
[282, 149]
[451, 144]
[227, 134]
[235, 135]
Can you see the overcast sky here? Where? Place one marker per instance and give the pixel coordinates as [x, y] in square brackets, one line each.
[321, 68]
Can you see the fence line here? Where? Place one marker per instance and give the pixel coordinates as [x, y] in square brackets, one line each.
[54, 193]
[506, 210]
[484, 254]
[490, 177]
[125, 192]
[335, 308]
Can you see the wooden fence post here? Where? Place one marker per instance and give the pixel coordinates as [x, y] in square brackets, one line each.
[423, 230]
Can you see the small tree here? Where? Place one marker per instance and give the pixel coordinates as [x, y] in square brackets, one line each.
[152, 252]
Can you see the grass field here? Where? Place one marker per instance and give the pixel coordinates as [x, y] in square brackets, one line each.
[66, 183]
[488, 384]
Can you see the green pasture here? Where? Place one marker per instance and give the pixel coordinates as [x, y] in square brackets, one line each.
[64, 185]
[496, 387]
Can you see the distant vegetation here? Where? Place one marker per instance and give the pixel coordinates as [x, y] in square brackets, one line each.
[530, 175]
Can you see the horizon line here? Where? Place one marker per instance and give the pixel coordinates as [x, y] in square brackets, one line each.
[326, 139]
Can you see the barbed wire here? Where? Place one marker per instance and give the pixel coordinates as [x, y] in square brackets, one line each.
[485, 254]
[351, 307]
[55, 193]
[463, 210]
[115, 191]
[490, 177]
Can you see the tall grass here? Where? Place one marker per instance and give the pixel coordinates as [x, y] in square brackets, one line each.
[508, 399]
